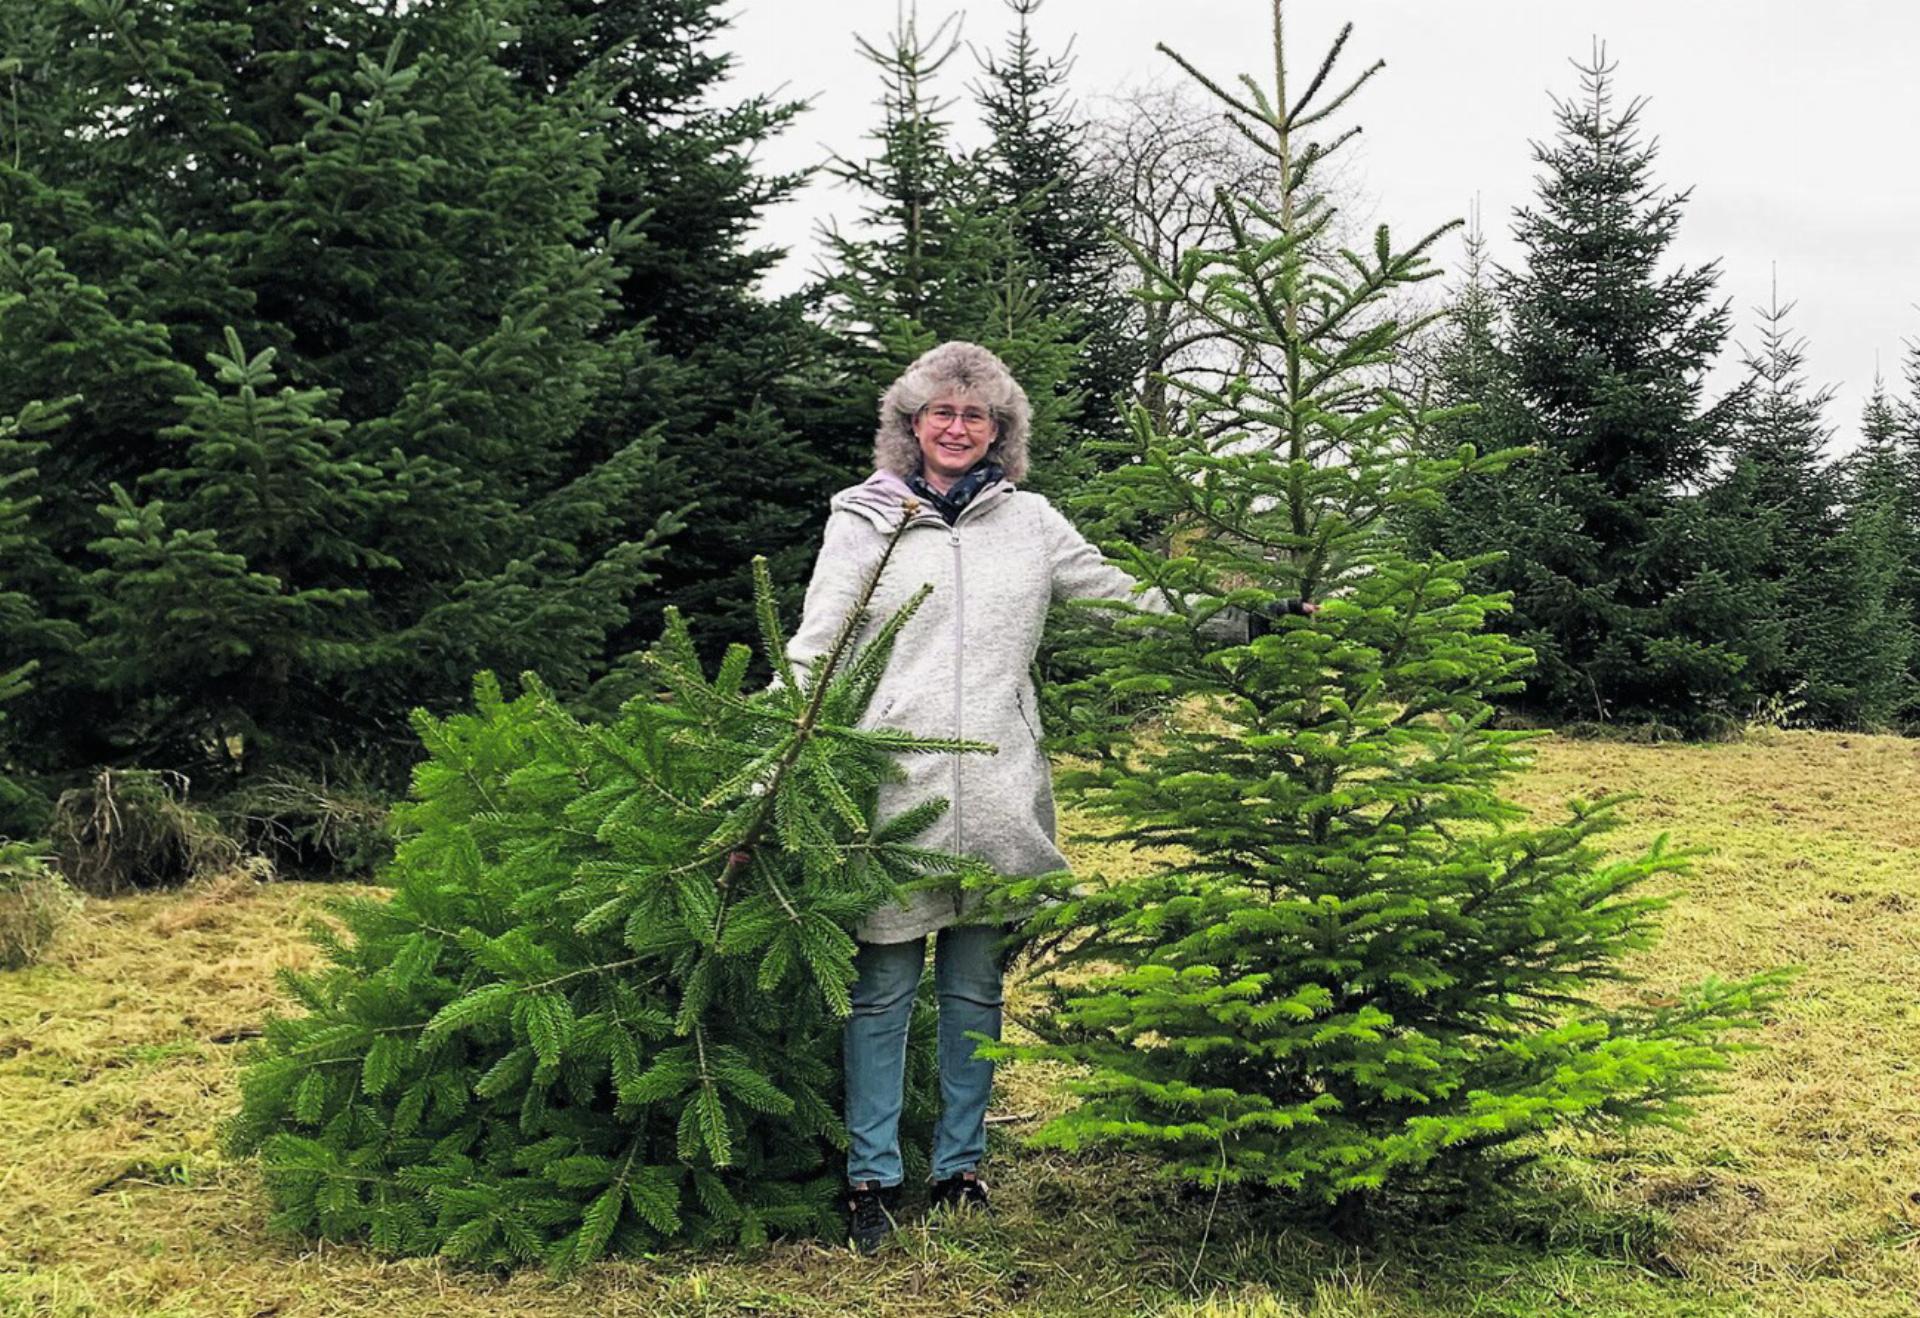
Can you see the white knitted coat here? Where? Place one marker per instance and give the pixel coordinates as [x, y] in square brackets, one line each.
[961, 667]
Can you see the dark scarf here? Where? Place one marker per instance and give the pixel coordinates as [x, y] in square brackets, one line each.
[948, 505]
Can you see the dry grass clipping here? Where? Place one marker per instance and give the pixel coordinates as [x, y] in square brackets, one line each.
[134, 828]
[203, 903]
[35, 904]
[1805, 1174]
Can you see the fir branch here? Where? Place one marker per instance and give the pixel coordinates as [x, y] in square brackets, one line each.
[823, 674]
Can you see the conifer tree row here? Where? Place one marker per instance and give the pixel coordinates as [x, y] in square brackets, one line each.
[378, 323]
[602, 1009]
[1360, 970]
[1808, 559]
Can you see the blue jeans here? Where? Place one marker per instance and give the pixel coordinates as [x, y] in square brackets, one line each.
[967, 965]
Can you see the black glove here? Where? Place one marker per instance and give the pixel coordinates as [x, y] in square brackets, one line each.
[1265, 619]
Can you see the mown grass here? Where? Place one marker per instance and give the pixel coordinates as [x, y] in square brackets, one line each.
[1795, 1191]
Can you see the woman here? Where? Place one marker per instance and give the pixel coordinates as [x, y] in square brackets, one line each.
[949, 455]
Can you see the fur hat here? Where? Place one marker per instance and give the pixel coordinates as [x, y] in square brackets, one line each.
[966, 371]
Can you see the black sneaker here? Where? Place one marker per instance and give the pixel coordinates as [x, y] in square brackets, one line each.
[962, 1190]
[869, 1215]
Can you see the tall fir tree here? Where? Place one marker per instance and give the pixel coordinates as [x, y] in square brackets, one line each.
[1906, 463]
[1907, 410]
[1880, 550]
[1039, 168]
[1630, 591]
[1350, 966]
[744, 396]
[1783, 494]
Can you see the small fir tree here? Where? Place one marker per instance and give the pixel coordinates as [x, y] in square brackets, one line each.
[602, 1009]
[1782, 495]
[1359, 969]
[269, 475]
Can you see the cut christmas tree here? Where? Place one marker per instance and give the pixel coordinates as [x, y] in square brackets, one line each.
[602, 1009]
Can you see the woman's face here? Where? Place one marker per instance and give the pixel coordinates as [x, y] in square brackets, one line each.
[954, 434]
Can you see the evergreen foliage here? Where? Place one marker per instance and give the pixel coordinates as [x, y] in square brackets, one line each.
[1355, 968]
[29, 573]
[1905, 444]
[742, 392]
[1633, 593]
[1038, 168]
[602, 1009]
[1783, 497]
[1878, 667]
[211, 634]
[398, 340]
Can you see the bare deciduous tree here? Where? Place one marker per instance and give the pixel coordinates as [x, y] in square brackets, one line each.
[1169, 157]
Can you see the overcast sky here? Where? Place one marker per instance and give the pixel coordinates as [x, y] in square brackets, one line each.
[1794, 125]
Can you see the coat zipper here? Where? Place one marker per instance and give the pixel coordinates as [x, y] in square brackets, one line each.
[959, 671]
[959, 663]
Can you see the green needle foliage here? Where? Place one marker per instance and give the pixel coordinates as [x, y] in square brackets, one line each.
[411, 333]
[1352, 967]
[602, 1010]
[28, 638]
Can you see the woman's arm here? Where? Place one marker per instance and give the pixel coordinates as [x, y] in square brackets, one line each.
[1081, 571]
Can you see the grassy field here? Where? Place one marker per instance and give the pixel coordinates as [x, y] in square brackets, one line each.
[1796, 1191]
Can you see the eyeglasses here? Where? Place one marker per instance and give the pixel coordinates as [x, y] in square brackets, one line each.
[972, 417]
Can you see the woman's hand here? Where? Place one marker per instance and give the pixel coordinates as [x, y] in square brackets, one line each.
[1263, 620]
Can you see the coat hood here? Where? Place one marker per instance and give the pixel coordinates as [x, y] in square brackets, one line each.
[879, 498]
